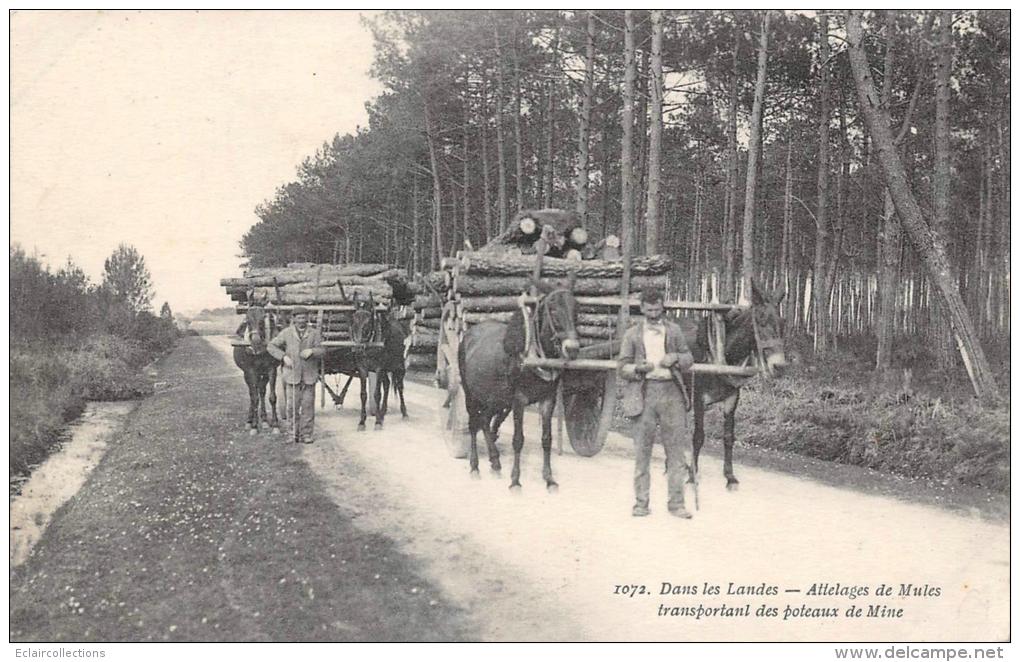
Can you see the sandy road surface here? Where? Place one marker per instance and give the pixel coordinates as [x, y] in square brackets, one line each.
[538, 566]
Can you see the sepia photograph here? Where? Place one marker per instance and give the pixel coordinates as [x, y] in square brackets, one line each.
[510, 326]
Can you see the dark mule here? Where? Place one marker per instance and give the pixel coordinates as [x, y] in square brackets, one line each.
[496, 382]
[367, 326]
[259, 366]
[752, 333]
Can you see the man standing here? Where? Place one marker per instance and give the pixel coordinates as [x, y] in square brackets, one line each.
[300, 348]
[657, 403]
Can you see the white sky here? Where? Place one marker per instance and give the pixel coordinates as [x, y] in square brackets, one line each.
[165, 129]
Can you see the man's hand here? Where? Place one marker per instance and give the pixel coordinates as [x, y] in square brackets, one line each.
[287, 362]
[307, 353]
[644, 368]
[669, 360]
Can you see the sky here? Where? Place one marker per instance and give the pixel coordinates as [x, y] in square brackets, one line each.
[164, 130]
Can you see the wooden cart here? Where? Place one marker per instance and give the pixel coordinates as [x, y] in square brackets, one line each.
[589, 383]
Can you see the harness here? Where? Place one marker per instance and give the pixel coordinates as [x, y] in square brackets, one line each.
[267, 321]
[757, 353]
[533, 327]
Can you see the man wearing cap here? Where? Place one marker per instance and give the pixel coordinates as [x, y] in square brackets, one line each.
[657, 403]
[300, 348]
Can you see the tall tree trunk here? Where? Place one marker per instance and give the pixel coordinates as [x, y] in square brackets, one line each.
[437, 186]
[626, 163]
[820, 310]
[466, 204]
[641, 162]
[518, 138]
[655, 92]
[940, 195]
[550, 125]
[584, 122]
[550, 155]
[415, 229]
[729, 226]
[891, 234]
[784, 251]
[627, 140]
[928, 244]
[753, 149]
[484, 137]
[500, 135]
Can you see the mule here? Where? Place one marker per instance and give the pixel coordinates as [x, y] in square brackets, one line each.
[259, 366]
[370, 326]
[753, 332]
[495, 381]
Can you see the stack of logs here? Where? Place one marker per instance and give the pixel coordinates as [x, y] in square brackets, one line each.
[316, 284]
[488, 287]
[424, 336]
[326, 289]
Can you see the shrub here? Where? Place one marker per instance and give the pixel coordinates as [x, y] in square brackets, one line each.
[106, 368]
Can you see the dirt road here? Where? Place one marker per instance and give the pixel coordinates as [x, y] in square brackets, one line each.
[243, 528]
[545, 566]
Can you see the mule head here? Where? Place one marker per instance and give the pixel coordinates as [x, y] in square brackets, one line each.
[362, 319]
[256, 318]
[768, 328]
[557, 319]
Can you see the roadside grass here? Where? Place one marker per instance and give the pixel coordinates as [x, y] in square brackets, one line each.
[192, 530]
[50, 383]
[925, 425]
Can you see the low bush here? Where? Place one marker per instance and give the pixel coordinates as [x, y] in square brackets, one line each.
[913, 435]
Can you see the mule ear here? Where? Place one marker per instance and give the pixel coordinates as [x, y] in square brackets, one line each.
[758, 296]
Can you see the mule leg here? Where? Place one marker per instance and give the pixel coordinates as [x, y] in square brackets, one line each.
[253, 406]
[474, 419]
[398, 385]
[364, 398]
[729, 421]
[515, 474]
[699, 427]
[273, 420]
[490, 432]
[263, 377]
[382, 393]
[546, 409]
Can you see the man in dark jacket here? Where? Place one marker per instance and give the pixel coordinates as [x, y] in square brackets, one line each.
[300, 348]
[650, 350]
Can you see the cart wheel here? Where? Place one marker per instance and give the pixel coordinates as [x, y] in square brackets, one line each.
[453, 412]
[589, 400]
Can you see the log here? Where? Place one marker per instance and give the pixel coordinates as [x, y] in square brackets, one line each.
[424, 337]
[475, 318]
[657, 374]
[307, 271]
[484, 264]
[508, 285]
[595, 331]
[488, 304]
[430, 323]
[602, 319]
[426, 313]
[420, 362]
[426, 301]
